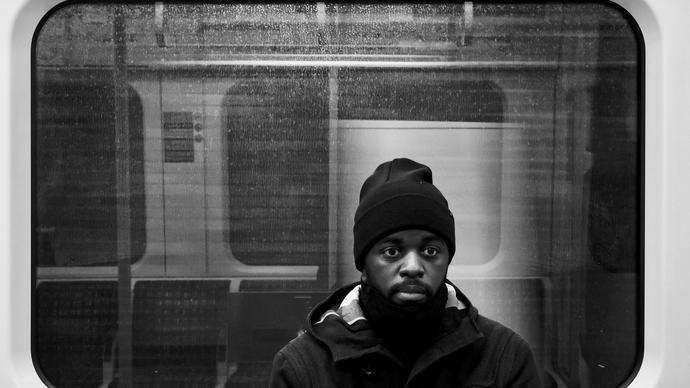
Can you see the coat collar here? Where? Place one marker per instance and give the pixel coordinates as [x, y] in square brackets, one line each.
[340, 324]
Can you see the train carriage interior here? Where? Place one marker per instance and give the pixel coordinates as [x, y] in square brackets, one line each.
[196, 168]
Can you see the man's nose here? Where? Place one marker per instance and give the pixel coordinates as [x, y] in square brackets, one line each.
[411, 265]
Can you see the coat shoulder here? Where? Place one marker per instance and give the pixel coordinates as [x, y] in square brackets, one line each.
[510, 354]
[300, 363]
[304, 346]
[303, 352]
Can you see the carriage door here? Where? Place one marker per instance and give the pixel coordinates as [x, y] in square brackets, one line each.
[175, 169]
[187, 183]
[183, 157]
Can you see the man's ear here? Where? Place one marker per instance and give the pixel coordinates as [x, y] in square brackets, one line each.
[363, 277]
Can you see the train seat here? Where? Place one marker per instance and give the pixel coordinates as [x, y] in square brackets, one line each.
[179, 332]
[76, 325]
[256, 333]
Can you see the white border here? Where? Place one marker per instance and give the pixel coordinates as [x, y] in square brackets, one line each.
[667, 190]
[18, 19]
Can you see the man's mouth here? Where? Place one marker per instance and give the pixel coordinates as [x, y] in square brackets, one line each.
[412, 288]
[411, 293]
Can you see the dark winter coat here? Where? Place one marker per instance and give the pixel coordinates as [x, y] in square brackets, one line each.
[339, 349]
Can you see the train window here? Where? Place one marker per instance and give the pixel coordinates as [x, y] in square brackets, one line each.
[385, 113]
[75, 213]
[196, 169]
[277, 174]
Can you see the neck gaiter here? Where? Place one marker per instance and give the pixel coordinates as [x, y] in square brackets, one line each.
[405, 330]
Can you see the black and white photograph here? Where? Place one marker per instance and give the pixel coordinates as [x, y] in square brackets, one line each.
[285, 195]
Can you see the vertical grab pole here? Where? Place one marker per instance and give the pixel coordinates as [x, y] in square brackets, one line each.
[122, 184]
[333, 170]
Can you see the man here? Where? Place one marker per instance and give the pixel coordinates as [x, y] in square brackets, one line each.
[403, 324]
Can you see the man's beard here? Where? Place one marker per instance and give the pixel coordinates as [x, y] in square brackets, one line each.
[405, 329]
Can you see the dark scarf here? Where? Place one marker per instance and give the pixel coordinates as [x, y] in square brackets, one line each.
[406, 330]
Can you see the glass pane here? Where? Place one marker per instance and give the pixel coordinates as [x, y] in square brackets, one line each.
[239, 136]
[277, 152]
[384, 114]
[74, 164]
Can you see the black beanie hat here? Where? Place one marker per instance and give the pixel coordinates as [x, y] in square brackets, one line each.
[400, 195]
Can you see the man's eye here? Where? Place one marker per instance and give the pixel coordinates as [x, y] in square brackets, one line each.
[391, 252]
[430, 251]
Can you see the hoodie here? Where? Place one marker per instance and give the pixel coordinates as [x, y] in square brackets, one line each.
[340, 349]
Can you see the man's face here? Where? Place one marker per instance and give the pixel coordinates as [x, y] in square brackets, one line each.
[407, 267]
